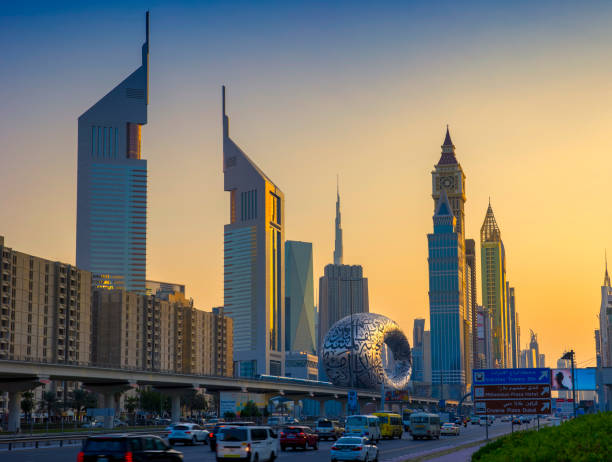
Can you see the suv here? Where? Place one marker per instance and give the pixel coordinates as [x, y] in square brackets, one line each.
[138, 448]
[187, 433]
[298, 437]
[250, 443]
[326, 429]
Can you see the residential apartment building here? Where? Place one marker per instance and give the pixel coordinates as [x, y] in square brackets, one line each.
[45, 312]
[150, 333]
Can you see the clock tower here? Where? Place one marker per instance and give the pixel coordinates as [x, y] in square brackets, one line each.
[448, 175]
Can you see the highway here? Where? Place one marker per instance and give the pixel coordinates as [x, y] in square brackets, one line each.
[390, 450]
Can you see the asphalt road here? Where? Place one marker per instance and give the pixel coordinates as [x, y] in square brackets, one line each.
[390, 450]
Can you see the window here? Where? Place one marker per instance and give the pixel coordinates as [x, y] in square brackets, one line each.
[275, 209]
[258, 434]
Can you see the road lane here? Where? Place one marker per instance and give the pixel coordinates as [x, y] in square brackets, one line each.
[390, 450]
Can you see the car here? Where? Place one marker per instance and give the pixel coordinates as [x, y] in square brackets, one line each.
[506, 418]
[250, 443]
[119, 423]
[449, 428]
[212, 435]
[516, 421]
[326, 429]
[525, 419]
[187, 433]
[354, 448]
[295, 436]
[127, 447]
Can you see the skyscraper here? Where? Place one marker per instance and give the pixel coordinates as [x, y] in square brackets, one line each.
[451, 346]
[471, 298]
[299, 298]
[111, 238]
[342, 291]
[493, 272]
[417, 350]
[338, 252]
[605, 321]
[254, 260]
[448, 316]
[513, 328]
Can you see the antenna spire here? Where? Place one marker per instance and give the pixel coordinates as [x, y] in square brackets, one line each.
[224, 115]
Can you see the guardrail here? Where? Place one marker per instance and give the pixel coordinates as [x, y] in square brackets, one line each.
[62, 439]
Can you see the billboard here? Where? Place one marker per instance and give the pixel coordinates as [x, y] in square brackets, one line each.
[584, 379]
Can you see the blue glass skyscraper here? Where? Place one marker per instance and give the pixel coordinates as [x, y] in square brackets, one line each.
[112, 184]
[447, 303]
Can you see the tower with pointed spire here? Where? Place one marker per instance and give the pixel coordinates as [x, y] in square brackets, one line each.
[494, 296]
[605, 320]
[338, 247]
[450, 342]
[254, 262]
[111, 234]
[448, 175]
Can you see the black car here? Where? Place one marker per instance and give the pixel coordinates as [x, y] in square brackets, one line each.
[212, 435]
[128, 448]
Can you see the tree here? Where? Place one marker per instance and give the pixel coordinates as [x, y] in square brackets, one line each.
[282, 407]
[193, 400]
[131, 404]
[49, 403]
[153, 401]
[81, 400]
[250, 409]
[229, 415]
[27, 404]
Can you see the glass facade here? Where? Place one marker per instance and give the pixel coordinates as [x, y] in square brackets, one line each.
[446, 303]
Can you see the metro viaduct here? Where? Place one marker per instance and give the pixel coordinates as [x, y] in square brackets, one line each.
[19, 376]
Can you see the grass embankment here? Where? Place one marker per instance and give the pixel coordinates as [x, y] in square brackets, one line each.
[587, 438]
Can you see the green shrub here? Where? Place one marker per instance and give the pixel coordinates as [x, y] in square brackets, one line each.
[587, 438]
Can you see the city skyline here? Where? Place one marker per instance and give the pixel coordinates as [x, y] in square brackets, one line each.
[525, 167]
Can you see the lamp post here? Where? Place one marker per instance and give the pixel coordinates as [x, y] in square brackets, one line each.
[570, 355]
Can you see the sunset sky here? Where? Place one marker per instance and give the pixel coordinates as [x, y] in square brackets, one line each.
[363, 89]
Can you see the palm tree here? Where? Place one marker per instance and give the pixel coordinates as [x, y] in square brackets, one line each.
[131, 404]
[49, 403]
[27, 404]
[81, 400]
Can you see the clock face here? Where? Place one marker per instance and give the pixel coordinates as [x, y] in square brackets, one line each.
[447, 182]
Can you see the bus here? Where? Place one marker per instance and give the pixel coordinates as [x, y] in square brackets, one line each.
[406, 418]
[363, 425]
[390, 424]
[423, 425]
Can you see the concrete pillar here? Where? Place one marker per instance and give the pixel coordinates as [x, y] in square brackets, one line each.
[109, 404]
[176, 407]
[14, 406]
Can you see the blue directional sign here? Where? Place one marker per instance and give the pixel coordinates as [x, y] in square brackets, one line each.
[537, 375]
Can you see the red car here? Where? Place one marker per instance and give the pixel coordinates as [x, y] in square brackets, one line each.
[298, 437]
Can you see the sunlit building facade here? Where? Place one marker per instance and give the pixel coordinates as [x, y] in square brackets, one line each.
[254, 263]
[451, 329]
[111, 235]
[493, 273]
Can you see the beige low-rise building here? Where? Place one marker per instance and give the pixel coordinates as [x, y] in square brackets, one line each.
[161, 334]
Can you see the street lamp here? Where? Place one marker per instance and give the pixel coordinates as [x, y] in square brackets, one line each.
[570, 355]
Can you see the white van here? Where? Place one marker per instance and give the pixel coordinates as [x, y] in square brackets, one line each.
[249, 443]
[363, 425]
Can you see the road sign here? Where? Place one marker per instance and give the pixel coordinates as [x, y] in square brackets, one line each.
[538, 375]
[352, 399]
[511, 391]
[513, 406]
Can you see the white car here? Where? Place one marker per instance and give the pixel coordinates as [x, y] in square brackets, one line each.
[187, 433]
[449, 429]
[354, 448]
[248, 443]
